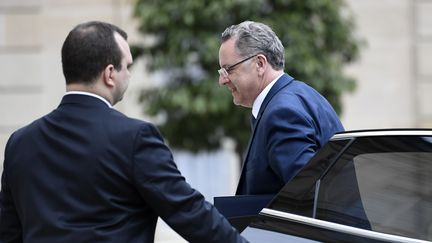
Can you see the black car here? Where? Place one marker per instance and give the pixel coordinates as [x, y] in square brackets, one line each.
[362, 186]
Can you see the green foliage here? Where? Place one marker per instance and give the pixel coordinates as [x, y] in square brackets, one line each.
[184, 40]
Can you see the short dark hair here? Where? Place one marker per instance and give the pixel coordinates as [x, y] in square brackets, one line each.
[88, 49]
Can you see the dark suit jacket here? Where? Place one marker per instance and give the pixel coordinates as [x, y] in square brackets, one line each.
[87, 173]
[294, 121]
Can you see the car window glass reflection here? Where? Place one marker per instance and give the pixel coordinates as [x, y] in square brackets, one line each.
[389, 192]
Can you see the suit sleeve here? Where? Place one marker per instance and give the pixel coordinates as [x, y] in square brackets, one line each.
[163, 187]
[10, 225]
[291, 141]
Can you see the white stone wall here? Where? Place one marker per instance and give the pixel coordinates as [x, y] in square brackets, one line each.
[423, 57]
[394, 73]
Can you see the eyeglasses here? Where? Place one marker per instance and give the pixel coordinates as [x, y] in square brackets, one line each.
[225, 71]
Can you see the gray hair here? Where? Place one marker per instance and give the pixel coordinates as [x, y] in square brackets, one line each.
[256, 38]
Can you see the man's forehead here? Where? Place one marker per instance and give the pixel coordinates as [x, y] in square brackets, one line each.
[228, 52]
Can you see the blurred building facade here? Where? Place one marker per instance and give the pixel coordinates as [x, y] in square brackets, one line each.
[394, 72]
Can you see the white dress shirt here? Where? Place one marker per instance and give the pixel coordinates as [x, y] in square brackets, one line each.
[260, 98]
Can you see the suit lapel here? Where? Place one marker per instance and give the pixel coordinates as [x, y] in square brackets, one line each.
[283, 81]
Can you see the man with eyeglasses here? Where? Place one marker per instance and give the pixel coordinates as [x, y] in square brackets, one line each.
[290, 120]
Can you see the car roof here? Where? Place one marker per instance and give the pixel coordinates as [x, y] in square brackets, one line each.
[382, 132]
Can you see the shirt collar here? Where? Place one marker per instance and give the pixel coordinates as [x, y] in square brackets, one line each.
[259, 100]
[90, 94]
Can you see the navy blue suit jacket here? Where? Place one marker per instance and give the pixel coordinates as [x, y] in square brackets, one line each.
[87, 173]
[294, 121]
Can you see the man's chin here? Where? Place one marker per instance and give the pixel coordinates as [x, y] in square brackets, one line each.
[237, 102]
[240, 103]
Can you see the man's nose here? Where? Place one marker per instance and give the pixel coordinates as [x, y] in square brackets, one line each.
[223, 80]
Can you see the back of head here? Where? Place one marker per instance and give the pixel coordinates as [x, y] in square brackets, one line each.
[253, 38]
[88, 49]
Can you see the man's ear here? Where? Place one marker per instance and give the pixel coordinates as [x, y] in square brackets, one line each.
[261, 64]
[108, 75]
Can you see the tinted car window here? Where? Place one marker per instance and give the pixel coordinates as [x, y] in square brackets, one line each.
[297, 196]
[382, 184]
